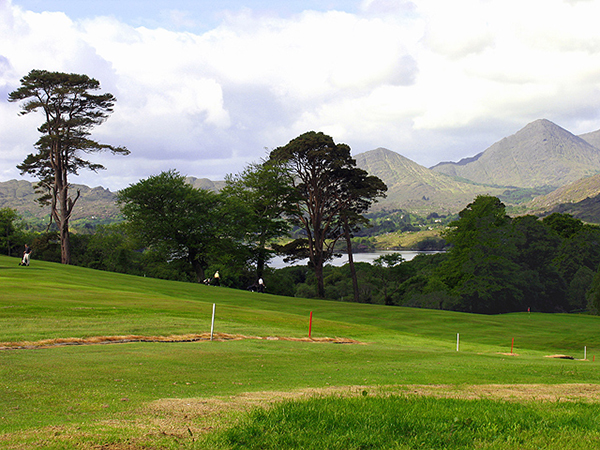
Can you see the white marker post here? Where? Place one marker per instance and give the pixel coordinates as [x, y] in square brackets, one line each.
[457, 341]
[212, 324]
[585, 353]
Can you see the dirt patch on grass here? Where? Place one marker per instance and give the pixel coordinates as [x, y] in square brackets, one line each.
[560, 356]
[178, 338]
[511, 392]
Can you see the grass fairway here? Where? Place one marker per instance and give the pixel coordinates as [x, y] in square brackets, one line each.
[149, 394]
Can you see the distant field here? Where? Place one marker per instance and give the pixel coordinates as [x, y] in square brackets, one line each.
[145, 394]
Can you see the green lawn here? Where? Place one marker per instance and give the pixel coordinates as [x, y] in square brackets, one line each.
[110, 395]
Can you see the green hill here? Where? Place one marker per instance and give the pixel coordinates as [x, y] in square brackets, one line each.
[137, 391]
[580, 199]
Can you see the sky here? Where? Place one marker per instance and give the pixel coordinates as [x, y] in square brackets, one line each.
[208, 87]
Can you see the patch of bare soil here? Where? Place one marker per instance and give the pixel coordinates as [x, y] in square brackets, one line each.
[560, 356]
[180, 338]
[512, 392]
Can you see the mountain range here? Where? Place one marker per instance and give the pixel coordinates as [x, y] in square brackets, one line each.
[415, 188]
[541, 155]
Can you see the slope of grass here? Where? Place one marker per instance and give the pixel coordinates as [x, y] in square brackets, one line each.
[107, 391]
[46, 301]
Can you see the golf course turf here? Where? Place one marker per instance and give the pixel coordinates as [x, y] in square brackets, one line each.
[98, 360]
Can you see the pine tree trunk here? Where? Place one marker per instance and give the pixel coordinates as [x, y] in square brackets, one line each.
[351, 260]
[63, 224]
[261, 259]
[65, 244]
[319, 276]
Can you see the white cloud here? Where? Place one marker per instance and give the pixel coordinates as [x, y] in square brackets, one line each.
[504, 58]
[429, 78]
[387, 6]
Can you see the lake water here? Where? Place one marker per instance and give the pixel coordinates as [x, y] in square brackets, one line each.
[277, 262]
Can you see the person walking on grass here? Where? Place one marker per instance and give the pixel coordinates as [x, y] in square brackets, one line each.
[217, 279]
[26, 255]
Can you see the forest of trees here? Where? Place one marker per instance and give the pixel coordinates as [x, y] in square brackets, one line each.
[495, 264]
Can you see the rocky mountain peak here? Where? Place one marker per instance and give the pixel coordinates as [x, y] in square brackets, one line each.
[540, 154]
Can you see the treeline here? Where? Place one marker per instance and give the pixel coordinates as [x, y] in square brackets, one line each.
[496, 264]
[307, 196]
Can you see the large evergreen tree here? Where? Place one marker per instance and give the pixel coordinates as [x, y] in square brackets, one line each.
[359, 194]
[325, 204]
[71, 110]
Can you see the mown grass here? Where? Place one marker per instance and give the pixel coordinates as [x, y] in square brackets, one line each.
[99, 395]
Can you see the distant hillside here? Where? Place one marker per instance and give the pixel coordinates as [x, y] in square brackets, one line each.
[205, 183]
[541, 154]
[540, 157]
[97, 203]
[94, 202]
[581, 199]
[416, 188]
[587, 210]
[592, 138]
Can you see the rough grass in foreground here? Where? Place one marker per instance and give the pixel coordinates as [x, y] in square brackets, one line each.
[398, 422]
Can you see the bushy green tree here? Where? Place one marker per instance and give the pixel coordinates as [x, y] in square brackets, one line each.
[536, 248]
[10, 231]
[473, 228]
[262, 189]
[180, 222]
[579, 249]
[593, 294]
[564, 225]
[390, 274]
[111, 248]
[498, 264]
[579, 288]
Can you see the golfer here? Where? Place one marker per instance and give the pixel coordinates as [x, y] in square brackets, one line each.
[26, 255]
